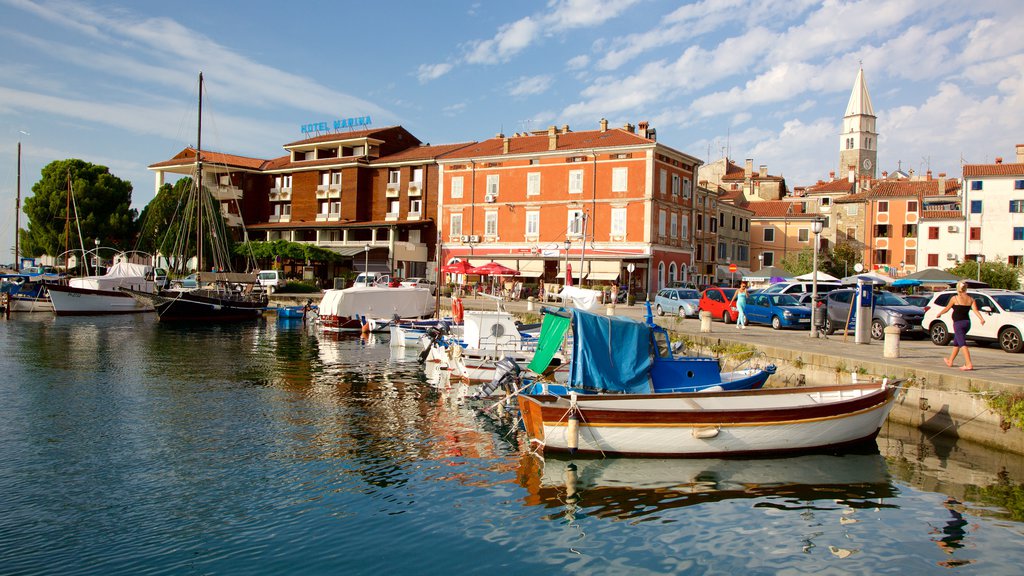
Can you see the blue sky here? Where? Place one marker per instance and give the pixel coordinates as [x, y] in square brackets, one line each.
[114, 83]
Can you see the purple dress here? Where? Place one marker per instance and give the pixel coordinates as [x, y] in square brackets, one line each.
[961, 324]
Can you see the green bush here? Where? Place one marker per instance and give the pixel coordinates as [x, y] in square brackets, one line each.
[299, 288]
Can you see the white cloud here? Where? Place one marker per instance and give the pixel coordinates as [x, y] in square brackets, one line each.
[578, 62]
[428, 72]
[530, 85]
[509, 41]
[741, 118]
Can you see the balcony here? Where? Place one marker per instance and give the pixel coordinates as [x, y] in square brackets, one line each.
[280, 194]
[415, 188]
[222, 193]
[391, 217]
[413, 216]
[280, 218]
[233, 220]
[392, 190]
[328, 191]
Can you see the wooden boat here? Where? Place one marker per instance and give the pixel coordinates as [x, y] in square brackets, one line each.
[709, 424]
[221, 295]
[28, 291]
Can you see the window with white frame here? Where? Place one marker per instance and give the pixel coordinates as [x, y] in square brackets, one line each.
[661, 275]
[575, 223]
[415, 205]
[673, 227]
[662, 222]
[393, 207]
[686, 188]
[619, 179]
[417, 174]
[533, 223]
[575, 181]
[491, 223]
[394, 176]
[325, 178]
[684, 231]
[675, 185]
[456, 187]
[769, 235]
[533, 184]
[619, 222]
[336, 178]
[663, 181]
[803, 235]
[455, 225]
[671, 272]
[492, 185]
[769, 259]
[851, 209]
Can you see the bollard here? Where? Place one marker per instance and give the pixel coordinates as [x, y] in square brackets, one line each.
[529, 304]
[891, 347]
[705, 321]
[609, 310]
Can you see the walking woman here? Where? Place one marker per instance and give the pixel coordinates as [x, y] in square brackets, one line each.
[740, 297]
[962, 304]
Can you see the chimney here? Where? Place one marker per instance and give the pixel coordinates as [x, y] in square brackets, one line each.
[604, 124]
[643, 128]
[831, 175]
[849, 174]
[999, 159]
[504, 145]
[942, 183]
[928, 175]
[552, 138]
[885, 173]
[748, 167]
[762, 171]
[629, 128]
[565, 129]
[1020, 153]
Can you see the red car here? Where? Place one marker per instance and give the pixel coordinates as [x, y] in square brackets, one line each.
[716, 301]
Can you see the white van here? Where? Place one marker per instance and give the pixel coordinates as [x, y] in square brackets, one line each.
[372, 279]
[271, 279]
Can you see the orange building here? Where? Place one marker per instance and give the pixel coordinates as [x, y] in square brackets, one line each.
[596, 201]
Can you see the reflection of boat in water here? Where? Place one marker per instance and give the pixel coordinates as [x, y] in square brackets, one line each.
[638, 486]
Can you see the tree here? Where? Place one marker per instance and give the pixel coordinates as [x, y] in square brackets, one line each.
[840, 260]
[103, 204]
[802, 262]
[161, 220]
[270, 251]
[995, 274]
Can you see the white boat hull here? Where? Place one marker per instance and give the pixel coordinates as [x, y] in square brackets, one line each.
[81, 302]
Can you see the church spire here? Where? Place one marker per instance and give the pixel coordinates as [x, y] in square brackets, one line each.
[860, 101]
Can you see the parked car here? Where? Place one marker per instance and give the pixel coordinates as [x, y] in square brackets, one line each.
[420, 282]
[372, 279]
[271, 279]
[799, 287]
[889, 310]
[677, 301]
[778, 310]
[917, 299]
[717, 301]
[189, 282]
[1004, 318]
[681, 284]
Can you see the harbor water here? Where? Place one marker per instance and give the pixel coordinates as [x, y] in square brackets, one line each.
[132, 447]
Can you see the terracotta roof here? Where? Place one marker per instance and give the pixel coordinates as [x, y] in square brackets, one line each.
[425, 152]
[535, 143]
[830, 186]
[188, 156]
[852, 198]
[971, 170]
[285, 162]
[940, 214]
[896, 188]
[775, 209]
[754, 175]
[340, 136]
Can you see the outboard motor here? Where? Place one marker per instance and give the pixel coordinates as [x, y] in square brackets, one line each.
[506, 374]
[433, 334]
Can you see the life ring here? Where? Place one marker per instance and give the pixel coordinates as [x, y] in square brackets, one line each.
[458, 312]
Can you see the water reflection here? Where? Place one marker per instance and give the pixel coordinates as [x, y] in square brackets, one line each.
[643, 489]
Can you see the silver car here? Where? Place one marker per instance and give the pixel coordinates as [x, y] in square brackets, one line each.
[889, 310]
[677, 301]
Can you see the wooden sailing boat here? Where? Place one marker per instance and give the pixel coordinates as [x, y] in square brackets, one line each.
[222, 295]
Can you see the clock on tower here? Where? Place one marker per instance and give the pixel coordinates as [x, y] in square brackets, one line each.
[867, 163]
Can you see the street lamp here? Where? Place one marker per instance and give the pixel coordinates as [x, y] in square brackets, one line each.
[566, 278]
[816, 225]
[760, 261]
[366, 261]
[981, 260]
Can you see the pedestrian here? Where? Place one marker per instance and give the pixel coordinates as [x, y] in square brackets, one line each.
[740, 298]
[962, 304]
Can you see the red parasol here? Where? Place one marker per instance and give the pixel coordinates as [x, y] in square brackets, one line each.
[460, 267]
[494, 269]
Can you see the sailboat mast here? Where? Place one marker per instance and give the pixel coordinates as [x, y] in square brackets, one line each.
[67, 226]
[199, 181]
[17, 217]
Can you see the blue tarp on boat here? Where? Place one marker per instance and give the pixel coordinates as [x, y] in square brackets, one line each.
[610, 353]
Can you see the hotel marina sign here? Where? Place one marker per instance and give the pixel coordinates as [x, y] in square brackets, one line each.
[357, 122]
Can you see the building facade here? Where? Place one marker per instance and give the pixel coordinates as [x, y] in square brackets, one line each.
[994, 210]
[599, 202]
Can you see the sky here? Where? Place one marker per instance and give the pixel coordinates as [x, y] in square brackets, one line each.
[115, 83]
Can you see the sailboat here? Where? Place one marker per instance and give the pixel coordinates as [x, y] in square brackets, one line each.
[221, 295]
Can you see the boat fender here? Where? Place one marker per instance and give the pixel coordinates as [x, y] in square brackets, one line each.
[572, 433]
[706, 433]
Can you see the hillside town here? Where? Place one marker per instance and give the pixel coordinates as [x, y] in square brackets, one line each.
[608, 204]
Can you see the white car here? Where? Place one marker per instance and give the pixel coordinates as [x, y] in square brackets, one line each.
[1003, 311]
[372, 279]
[420, 282]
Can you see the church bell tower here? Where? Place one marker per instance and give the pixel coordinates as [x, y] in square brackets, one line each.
[858, 143]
